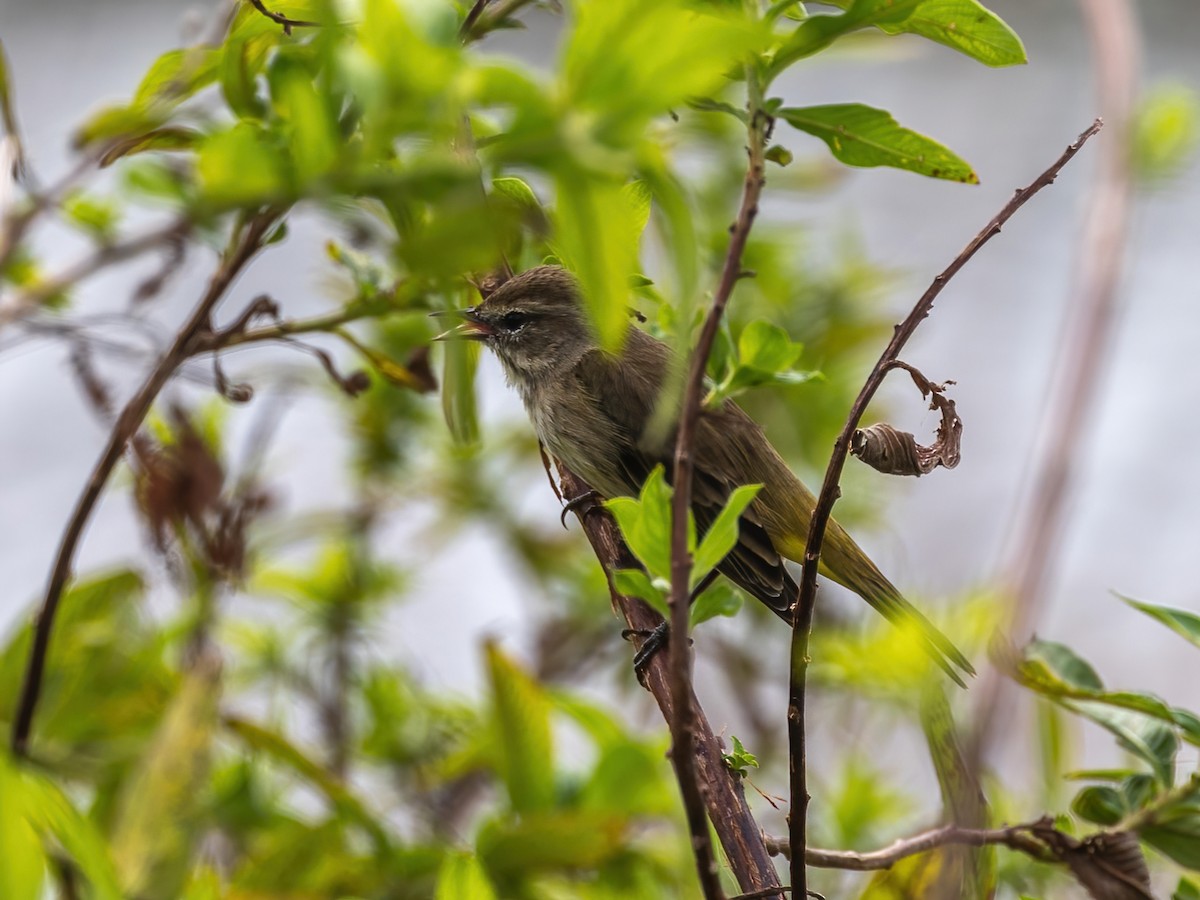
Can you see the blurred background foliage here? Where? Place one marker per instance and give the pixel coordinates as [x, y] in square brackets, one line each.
[250, 734]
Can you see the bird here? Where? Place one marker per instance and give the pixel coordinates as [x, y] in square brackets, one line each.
[591, 409]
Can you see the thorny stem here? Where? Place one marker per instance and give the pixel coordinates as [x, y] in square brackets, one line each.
[244, 245]
[830, 491]
[682, 723]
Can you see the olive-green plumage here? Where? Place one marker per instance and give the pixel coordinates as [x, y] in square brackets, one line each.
[591, 409]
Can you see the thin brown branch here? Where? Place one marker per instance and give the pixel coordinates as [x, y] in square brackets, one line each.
[682, 724]
[280, 19]
[1083, 348]
[243, 247]
[497, 12]
[468, 23]
[722, 793]
[830, 491]
[104, 256]
[1016, 837]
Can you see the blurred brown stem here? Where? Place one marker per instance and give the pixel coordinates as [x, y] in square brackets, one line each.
[722, 792]
[830, 490]
[1081, 352]
[244, 245]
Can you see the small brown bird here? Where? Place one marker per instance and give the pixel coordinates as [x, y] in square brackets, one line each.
[590, 408]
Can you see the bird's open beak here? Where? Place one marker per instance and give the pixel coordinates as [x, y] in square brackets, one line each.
[472, 328]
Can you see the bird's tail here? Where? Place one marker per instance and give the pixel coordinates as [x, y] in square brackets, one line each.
[846, 563]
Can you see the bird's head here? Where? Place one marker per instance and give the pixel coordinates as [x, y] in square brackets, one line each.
[534, 323]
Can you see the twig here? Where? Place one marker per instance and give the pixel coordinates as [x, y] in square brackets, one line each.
[681, 558]
[1036, 533]
[104, 256]
[468, 23]
[833, 473]
[1017, 837]
[281, 19]
[483, 23]
[243, 246]
[739, 834]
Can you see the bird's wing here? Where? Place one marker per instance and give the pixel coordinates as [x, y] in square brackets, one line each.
[626, 395]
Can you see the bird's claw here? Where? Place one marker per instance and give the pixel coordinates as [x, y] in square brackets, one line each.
[653, 641]
[576, 503]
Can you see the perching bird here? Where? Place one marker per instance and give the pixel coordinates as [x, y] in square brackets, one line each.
[590, 409]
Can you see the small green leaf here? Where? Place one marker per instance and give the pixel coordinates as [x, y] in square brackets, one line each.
[1177, 835]
[765, 346]
[1184, 623]
[521, 714]
[1165, 131]
[517, 191]
[53, 814]
[551, 841]
[861, 135]
[1146, 738]
[177, 75]
[815, 33]
[721, 599]
[95, 216]
[966, 26]
[722, 536]
[646, 523]
[240, 166]
[741, 760]
[636, 583]
[24, 860]
[462, 877]
[779, 154]
[1100, 804]
[1186, 890]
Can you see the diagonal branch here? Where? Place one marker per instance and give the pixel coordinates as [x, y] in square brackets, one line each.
[739, 834]
[682, 724]
[833, 473]
[245, 244]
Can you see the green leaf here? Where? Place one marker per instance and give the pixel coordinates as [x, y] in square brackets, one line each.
[1165, 131]
[967, 26]
[721, 599]
[1177, 835]
[159, 810]
[161, 139]
[1184, 623]
[53, 814]
[861, 135]
[816, 33]
[722, 535]
[1100, 804]
[597, 236]
[779, 155]
[241, 167]
[308, 124]
[521, 713]
[1186, 890]
[551, 841]
[177, 75]
[1146, 738]
[461, 877]
[96, 217]
[24, 860]
[516, 190]
[636, 583]
[765, 346]
[646, 523]
[741, 760]
[459, 403]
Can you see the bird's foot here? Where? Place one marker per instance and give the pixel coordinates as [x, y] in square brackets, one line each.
[653, 641]
[588, 501]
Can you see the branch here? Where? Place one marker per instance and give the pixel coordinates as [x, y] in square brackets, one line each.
[244, 245]
[1016, 837]
[280, 19]
[802, 624]
[682, 724]
[739, 834]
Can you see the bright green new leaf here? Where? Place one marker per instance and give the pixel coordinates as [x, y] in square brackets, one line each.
[964, 25]
[158, 813]
[521, 713]
[722, 599]
[462, 877]
[1186, 890]
[861, 135]
[816, 33]
[765, 346]
[517, 191]
[177, 75]
[23, 865]
[53, 814]
[240, 167]
[1100, 804]
[1184, 623]
[598, 231]
[722, 535]
[636, 583]
[646, 523]
[741, 760]
[627, 61]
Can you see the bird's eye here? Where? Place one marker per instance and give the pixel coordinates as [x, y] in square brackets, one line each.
[514, 321]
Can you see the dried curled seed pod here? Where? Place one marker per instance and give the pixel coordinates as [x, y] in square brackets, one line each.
[895, 452]
[887, 450]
